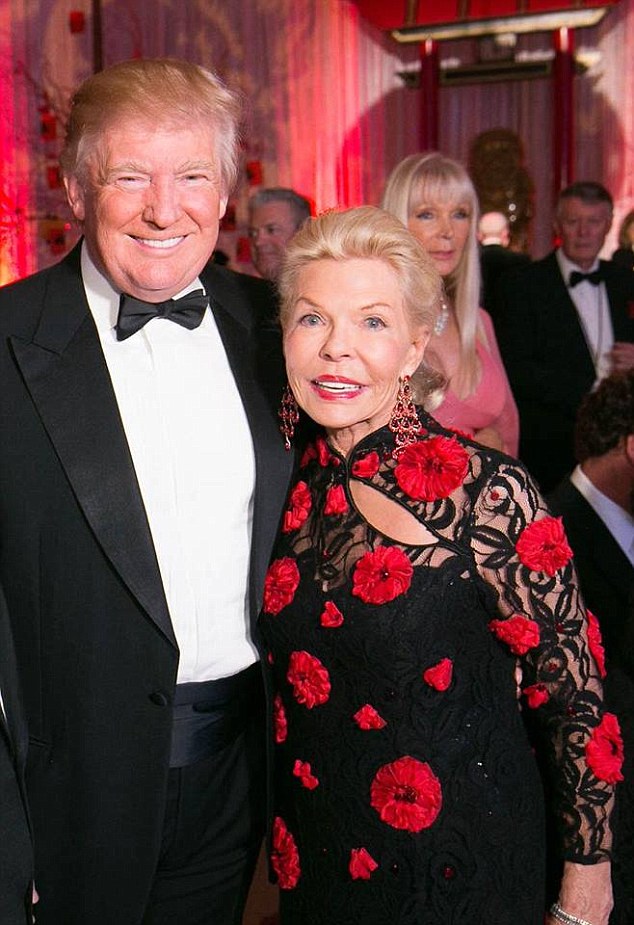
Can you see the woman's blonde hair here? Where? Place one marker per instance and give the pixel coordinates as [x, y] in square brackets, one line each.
[432, 177]
[369, 233]
[164, 91]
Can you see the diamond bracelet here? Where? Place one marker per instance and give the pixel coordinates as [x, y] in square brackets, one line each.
[562, 916]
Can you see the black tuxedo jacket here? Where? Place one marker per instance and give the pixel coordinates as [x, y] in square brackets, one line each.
[95, 645]
[16, 849]
[605, 573]
[547, 359]
[495, 261]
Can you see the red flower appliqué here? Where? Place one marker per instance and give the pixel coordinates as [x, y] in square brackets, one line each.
[439, 676]
[382, 575]
[335, 500]
[518, 632]
[432, 469]
[604, 751]
[284, 856]
[323, 451]
[368, 718]
[367, 466]
[303, 770]
[309, 453]
[309, 679]
[362, 864]
[406, 794]
[595, 642]
[331, 616]
[536, 695]
[280, 723]
[280, 585]
[543, 547]
[300, 503]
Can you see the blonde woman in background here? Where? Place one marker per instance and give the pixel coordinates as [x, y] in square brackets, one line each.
[434, 197]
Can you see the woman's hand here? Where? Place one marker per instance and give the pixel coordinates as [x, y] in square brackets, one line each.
[586, 892]
[489, 437]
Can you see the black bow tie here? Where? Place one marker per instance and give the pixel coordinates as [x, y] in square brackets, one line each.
[577, 277]
[133, 313]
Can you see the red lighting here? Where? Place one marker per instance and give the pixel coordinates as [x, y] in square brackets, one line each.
[76, 21]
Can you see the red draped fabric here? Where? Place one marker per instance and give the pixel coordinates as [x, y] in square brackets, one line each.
[326, 111]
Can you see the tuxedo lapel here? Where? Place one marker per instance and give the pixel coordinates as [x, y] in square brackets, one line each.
[273, 464]
[66, 374]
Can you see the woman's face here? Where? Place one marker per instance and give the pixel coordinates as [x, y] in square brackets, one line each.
[347, 341]
[442, 228]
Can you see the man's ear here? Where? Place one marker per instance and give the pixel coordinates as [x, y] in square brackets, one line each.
[75, 196]
[629, 449]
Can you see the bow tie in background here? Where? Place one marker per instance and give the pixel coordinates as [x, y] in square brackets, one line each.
[187, 311]
[577, 277]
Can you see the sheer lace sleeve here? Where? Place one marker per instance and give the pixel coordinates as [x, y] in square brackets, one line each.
[522, 554]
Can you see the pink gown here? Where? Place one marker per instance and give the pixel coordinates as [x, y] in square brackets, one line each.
[492, 404]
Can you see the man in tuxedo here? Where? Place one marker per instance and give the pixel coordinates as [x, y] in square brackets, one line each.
[16, 850]
[143, 476]
[563, 323]
[597, 504]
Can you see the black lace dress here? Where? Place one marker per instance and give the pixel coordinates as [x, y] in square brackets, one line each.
[406, 791]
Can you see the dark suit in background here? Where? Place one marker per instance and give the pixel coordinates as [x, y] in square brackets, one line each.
[547, 358]
[16, 849]
[495, 261]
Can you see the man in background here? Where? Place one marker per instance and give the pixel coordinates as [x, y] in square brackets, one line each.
[275, 215]
[143, 477]
[563, 323]
[496, 257]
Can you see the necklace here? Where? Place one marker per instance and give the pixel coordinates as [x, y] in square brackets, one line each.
[441, 321]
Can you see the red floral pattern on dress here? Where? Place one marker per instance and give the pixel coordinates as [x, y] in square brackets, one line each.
[362, 864]
[406, 794]
[323, 451]
[604, 751]
[368, 718]
[303, 771]
[336, 502]
[309, 679]
[382, 575]
[309, 453]
[439, 676]
[280, 723]
[595, 642]
[280, 585]
[284, 856]
[432, 469]
[300, 503]
[366, 466]
[536, 695]
[331, 615]
[542, 546]
[518, 632]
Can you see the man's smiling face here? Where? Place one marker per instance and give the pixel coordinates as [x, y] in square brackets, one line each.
[150, 206]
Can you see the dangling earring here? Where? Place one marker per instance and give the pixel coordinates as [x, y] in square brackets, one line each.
[404, 422]
[288, 415]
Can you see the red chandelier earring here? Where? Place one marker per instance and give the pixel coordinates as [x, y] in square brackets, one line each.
[404, 422]
[288, 415]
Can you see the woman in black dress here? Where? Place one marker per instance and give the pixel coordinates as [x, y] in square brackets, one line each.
[415, 568]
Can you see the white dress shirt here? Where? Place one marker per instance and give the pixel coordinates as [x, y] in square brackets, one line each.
[193, 455]
[618, 522]
[593, 309]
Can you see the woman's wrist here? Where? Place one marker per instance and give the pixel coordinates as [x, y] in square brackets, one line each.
[566, 918]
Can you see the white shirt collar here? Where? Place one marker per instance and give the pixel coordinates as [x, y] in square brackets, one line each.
[566, 266]
[618, 521]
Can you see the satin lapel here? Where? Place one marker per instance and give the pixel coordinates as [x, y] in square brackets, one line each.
[66, 374]
[273, 463]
